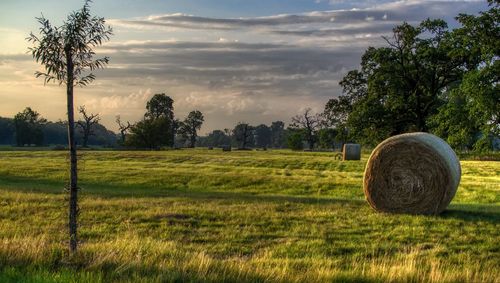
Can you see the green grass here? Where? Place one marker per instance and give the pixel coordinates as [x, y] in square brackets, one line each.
[200, 215]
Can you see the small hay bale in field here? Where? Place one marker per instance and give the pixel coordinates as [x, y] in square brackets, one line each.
[415, 173]
[351, 151]
[226, 148]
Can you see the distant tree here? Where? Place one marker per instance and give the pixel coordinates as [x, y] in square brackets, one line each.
[263, 136]
[190, 126]
[327, 137]
[56, 133]
[7, 131]
[149, 133]
[66, 52]
[218, 138]
[278, 134]
[158, 126]
[87, 124]
[28, 125]
[295, 139]
[243, 134]
[161, 106]
[309, 123]
[123, 128]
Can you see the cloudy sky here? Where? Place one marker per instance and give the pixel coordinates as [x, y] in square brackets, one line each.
[234, 60]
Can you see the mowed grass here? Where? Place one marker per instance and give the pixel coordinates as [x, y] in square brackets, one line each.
[245, 216]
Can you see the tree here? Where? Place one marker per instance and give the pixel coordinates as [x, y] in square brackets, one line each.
[161, 106]
[295, 139]
[67, 54]
[262, 136]
[474, 105]
[309, 124]
[28, 125]
[400, 86]
[123, 128]
[278, 134]
[190, 126]
[327, 137]
[218, 138]
[87, 124]
[7, 131]
[149, 133]
[155, 130]
[243, 134]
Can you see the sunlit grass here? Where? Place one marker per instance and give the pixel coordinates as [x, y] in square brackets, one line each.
[199, 215]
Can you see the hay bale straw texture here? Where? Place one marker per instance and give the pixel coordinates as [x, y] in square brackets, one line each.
[415, 173]
[351, 151]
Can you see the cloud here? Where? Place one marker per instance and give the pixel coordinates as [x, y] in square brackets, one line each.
[411, 10]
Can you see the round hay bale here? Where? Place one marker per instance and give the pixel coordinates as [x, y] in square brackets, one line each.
[416, 173]
[351, 151]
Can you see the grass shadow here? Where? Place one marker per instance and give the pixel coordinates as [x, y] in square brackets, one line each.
[473, 213]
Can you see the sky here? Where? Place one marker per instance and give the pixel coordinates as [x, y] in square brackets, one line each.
[234, 60]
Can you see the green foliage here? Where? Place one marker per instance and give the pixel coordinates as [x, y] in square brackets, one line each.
[73, 43]
[160, 105]
[28, 125]
[278, 139]
[158, 127]
[263, 136]
[7, 131]
[150, 133]
[216, 138]
[295, 139]
[327, 138]
[471, 116]
[188, 129]
[243, 134]
[426, 79]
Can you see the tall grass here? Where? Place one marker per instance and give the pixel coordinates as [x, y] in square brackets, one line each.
[199, 215]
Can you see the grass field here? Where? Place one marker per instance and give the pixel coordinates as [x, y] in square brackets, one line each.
[200, 215]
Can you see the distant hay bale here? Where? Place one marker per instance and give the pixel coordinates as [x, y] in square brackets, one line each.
[351, 151]
[415, 173]
[226, 148]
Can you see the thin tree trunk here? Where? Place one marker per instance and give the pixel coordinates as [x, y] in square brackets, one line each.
[193, 138]
[73, 186]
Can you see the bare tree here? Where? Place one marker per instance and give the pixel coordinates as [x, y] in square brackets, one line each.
[86, 125]
[67, 53]
[309, 123]
[123, 128]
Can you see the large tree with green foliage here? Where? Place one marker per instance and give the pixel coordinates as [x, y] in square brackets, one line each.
[67, 53]
[471, 115]
[400, 86]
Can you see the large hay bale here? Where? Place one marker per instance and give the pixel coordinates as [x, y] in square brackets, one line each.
[415, 173]
[351, 151]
